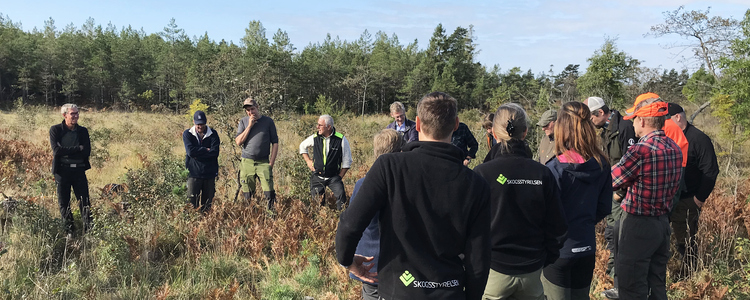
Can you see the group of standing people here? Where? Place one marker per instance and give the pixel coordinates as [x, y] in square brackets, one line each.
[522, 226]
[421, 224]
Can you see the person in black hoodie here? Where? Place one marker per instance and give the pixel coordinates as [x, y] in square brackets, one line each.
[583, 176]
[528, 224]
[71, 148]
[201, 160]
[434, 215]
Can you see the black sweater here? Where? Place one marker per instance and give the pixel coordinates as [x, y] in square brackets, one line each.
[528, 224]
[56, 133]
[701, 169]
[432, 209]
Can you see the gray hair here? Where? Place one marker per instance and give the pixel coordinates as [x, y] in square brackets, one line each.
[397, 107]
[64, 109]
[328, 119]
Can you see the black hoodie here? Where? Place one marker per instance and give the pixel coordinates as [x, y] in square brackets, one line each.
[432, 210]
[528, 225]
[586, 194]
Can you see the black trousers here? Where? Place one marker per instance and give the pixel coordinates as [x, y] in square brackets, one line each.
[74, 178]
[318, 187]
[641, 258]
[201, 192]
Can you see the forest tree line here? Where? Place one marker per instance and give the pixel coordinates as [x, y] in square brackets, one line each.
[127, 68]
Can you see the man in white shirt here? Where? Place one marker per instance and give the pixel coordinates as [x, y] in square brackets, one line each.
[331, 159]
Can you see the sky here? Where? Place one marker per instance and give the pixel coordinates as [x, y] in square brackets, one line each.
[530, 34]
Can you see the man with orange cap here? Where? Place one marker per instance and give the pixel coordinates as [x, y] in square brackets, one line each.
[651, 172]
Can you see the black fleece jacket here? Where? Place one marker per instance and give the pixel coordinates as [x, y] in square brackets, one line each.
[702, 168]
[56, 133]
[528, 224]
[432, 209]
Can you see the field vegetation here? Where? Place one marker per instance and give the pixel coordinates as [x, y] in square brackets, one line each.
[157, 247]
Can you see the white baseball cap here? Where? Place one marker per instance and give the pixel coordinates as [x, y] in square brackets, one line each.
[595, 103]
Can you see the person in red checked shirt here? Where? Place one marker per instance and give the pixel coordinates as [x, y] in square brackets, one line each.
[651, 171]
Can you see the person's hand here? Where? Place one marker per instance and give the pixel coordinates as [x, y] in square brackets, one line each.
[270, 165]
[698, 202]
[467, 161]
[310, 166]
[617, 197]
[361, 270]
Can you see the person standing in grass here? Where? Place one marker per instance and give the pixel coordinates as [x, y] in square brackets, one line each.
[651, 172]
[700, 178]
[583, 176]
[433, 211]
[257, 136]
[465, 140]
[404, 126]
[487, 125]
[547, 145]
[331, 159]
[385, 141]
[528, 224]
[202, 161]
[71, 148]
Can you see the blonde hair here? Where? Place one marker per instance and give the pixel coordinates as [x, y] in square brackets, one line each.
[387, 141]
[437, 112]
[510, 122]
[575, 131]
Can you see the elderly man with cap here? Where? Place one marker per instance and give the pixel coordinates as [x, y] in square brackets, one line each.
[651, 172]
[201, 160]
[700, 177]
[547, 145]
[616, 135]
[256, 134]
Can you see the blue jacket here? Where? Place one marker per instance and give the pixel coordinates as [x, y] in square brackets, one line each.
[411, 134]
[201, 162]
[586, 194]
[369, 245]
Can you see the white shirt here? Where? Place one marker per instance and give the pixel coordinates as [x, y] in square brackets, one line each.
[346, 157]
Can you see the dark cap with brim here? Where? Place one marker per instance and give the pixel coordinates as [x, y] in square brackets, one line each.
[199, 118]
[674, 109]
[547, 117]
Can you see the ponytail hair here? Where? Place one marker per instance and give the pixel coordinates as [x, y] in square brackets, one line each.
[510, 122]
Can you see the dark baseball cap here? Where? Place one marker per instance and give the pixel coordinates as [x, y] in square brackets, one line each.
[199, 118]
[674, 109]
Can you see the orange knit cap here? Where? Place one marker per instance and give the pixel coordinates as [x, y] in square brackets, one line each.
[640, 99]
[656, 109]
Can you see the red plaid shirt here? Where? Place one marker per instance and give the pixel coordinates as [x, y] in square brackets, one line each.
[651, 171]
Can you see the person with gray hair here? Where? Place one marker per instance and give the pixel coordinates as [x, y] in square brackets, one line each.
[71, 148]
[332, 158]
[405, 127]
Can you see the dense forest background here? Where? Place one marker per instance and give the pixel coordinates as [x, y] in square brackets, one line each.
[129, 69]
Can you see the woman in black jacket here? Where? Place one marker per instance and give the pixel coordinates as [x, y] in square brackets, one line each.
[581, 170]
[527, 223]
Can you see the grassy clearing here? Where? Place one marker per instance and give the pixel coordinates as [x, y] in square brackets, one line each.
[161, 249]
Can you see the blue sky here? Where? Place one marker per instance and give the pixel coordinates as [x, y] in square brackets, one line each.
[530, 34]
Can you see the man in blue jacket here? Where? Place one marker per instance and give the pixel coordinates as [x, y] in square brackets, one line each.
[201, 160]
[407, 128]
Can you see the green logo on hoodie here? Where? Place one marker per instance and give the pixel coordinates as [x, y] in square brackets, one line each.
[406, 278]
[502, 179]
